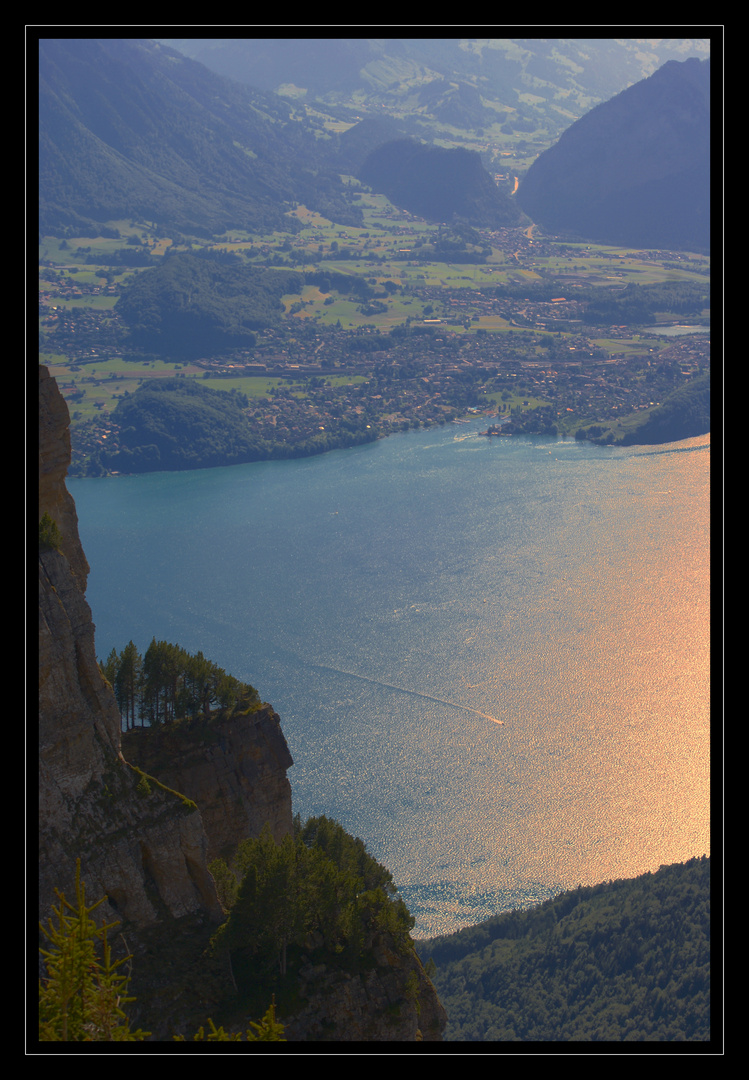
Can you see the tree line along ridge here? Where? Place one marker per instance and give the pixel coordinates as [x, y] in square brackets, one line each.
[169, 684]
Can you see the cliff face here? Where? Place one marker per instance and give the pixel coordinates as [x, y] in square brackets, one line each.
[144, 849]
[235, 772]
[147, 854]
[146, 846]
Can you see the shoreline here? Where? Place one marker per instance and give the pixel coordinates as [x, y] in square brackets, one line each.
[506, 434]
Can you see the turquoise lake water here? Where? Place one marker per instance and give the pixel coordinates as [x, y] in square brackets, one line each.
[395, 600]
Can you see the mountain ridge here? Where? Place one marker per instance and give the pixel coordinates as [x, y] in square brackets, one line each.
[540, 83]
[131, 128]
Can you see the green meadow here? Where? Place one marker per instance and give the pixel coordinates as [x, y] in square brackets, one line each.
[385, 251]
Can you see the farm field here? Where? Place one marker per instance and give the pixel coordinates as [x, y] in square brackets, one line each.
[381, 295]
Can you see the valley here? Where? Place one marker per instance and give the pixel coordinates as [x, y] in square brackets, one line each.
[258, 250]
[397, 324]
[351, 252]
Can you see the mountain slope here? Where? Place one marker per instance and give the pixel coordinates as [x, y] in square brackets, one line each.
[636, 169]
[529, 84]
[438, 184]
[626, 960]
[134, 129]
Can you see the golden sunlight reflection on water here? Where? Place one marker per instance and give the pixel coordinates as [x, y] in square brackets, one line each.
[406, 590]
[603, 767]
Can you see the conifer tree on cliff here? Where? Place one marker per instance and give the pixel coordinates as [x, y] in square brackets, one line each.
[127, 683]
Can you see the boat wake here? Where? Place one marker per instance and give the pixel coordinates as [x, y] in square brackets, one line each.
[404, 690]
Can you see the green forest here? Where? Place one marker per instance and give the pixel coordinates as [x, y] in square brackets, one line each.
[177, 423]
[169, 684]
[626, 960]
[193, 304]
[317, 897]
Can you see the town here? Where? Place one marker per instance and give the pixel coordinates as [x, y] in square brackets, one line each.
[505, 336]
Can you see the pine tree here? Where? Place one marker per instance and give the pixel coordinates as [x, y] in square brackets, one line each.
[268, 1030]
[169, 684]
[82, 994]
[268, 913]
[127, 685]
[110, 667]
[320, 881]
[50, 537]
[83, 991]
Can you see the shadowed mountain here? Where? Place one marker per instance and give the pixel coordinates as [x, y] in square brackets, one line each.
[438, 184]
[634, 170]
[356, 144]
[134, 129]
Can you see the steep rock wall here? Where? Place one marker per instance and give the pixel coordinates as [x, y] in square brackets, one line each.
[146, 846]
[148, 854]
[234, 769]
[142, 846]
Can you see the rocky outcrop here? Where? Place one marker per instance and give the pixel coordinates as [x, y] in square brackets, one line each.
[234, 769]
[146, 853]
[145, 824]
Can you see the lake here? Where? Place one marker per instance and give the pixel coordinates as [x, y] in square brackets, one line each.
[395, 601]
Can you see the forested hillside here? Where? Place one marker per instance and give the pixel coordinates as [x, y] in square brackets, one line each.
[683, 414]
[192, 305]
[180, 424]
[634, 170]
[438, 184]
[131, 128]
[624, 961]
